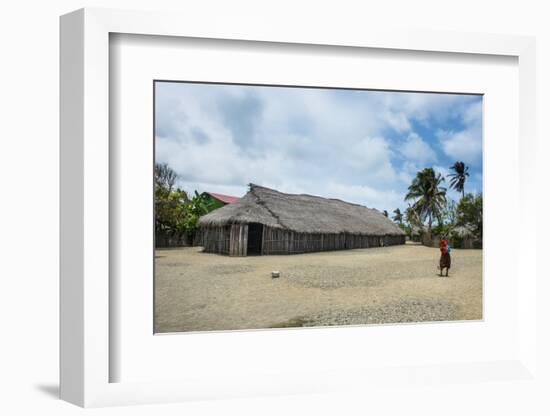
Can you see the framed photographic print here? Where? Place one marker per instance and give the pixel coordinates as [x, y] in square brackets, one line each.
[302, 244]
[279, 213]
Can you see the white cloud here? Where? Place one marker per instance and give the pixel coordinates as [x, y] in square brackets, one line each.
[465, 145]
[380, 199]
[417, 150]
[472, 114]
[220, 138]
[424, 108]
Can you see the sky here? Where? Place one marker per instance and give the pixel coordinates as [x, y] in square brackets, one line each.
[360, 146]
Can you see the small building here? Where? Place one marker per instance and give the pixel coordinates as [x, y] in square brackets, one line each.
[215, 201]
[463, 236]
[266, 221]
[223, 199]
[416, 232]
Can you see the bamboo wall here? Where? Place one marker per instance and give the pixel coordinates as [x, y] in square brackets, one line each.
[277, 241]
[238, 240]
[214, 239]
[233, 240]
[164, 239]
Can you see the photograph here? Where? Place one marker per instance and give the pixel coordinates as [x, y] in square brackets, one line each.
[297, 206]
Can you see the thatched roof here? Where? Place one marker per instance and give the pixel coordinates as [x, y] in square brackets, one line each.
[301, 213]
[416, 229]
[462, 231]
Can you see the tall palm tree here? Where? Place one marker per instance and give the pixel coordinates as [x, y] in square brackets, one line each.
[428, 196]
[458, 178]
[398, 217]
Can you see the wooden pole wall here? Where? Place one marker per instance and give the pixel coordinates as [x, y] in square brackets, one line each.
[233, 240]
[238, 240]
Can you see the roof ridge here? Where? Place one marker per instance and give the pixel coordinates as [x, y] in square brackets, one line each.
[217, 193]
[259, 201]
[253, 186]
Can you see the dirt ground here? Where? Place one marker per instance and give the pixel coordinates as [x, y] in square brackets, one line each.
[197, 291]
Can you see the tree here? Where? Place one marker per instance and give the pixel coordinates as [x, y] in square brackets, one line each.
[166, 201]
[446, 219]
[428, 196]
[196, 207]
[412, 226]
[398, 217]
[449, 213]
[170, 211]
[165, 176]
[177, 215]
[411, 217]
[458, 178]
[469, 213]
[385, 213]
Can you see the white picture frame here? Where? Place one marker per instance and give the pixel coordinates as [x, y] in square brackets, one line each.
[85, 217]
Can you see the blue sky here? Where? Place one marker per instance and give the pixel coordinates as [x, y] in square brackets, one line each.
[360, 146]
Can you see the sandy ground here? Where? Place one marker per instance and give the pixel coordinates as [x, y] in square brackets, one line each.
[197, 291]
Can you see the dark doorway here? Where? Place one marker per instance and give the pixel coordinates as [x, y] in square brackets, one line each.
[255, 232]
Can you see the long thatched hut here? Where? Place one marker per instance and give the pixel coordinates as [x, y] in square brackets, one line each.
[266, 221]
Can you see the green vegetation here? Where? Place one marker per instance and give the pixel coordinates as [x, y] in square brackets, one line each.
[458, 178]
[176, 214]
[398, 217]
[428, 196]
[469, 214]
[459, 221]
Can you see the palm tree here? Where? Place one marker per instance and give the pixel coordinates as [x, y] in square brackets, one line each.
[458, 178]
[429, 197]
[398, 217]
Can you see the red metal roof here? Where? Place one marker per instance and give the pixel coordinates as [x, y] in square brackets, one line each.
[228, 199]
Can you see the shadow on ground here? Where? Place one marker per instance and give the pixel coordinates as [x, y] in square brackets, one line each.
[51, 390]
